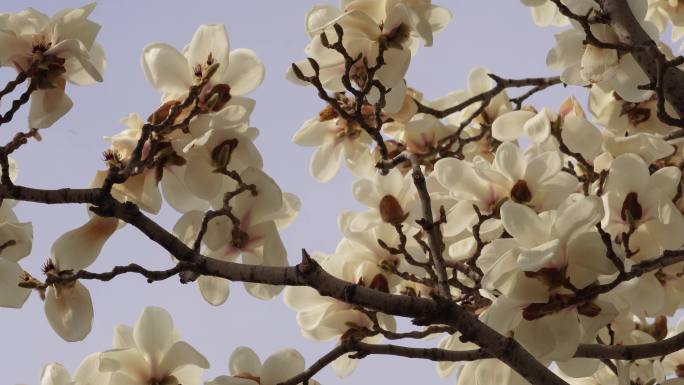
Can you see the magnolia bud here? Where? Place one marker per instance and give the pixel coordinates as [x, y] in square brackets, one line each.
[390, 210]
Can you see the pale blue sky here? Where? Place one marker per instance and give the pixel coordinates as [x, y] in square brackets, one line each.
[498, 34]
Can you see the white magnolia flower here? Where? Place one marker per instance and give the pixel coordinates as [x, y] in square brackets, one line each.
[152, 353]
[86, 374]
[247, 369]
[532, 179]
[387, 196]
[636, 199]
[68, 306]
[256, 239]
[217, 149]
[52, 51]
[141, 189]
[584, 64]
[364, 36]
[623, 117]
[239, 71]
[336, 140]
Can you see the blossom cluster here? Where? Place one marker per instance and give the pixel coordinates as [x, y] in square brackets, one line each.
[204, 159]
[540, 209]
[556, 226]
[152, 352]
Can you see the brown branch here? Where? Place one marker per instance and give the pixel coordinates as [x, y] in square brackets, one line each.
[151, 275]
[16, 104]
[362, 349]
[11, 85]
[485, 97]
[308, 273]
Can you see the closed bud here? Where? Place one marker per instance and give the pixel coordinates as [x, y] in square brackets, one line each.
[390, 210]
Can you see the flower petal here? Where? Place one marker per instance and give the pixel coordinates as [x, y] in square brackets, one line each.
[69, 312]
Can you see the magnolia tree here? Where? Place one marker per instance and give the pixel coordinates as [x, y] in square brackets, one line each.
[526, 244]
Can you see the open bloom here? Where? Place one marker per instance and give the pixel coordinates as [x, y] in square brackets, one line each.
[239, 72]
[151, 353]
[68, 306]
[247, 369]
[52, 51]
[638, 200]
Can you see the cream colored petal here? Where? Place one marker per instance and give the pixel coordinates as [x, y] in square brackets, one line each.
[78, 248]
[69, 312]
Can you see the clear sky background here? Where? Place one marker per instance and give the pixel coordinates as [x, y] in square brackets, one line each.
[497, 34]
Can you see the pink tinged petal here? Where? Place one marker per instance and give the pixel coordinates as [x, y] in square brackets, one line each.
[55, 374]
[510, 126]
[181, 354]
[269, 198]
[78, 248]
[177, 194]
[581, 136]
[245, 72]
[166, 69]
[69, 312]
[209, 39]
[523, 224]
[11, 295]
[598, 64]
[75, 49]
[538, 127]
[77, 74]
[326, 161]
[153, 332]
[281, 366]
[47, 106]
[215, 290]
[244, 360]
[509, 160]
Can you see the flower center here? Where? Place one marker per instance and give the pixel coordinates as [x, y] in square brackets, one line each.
[520, 193]
[631, 209]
